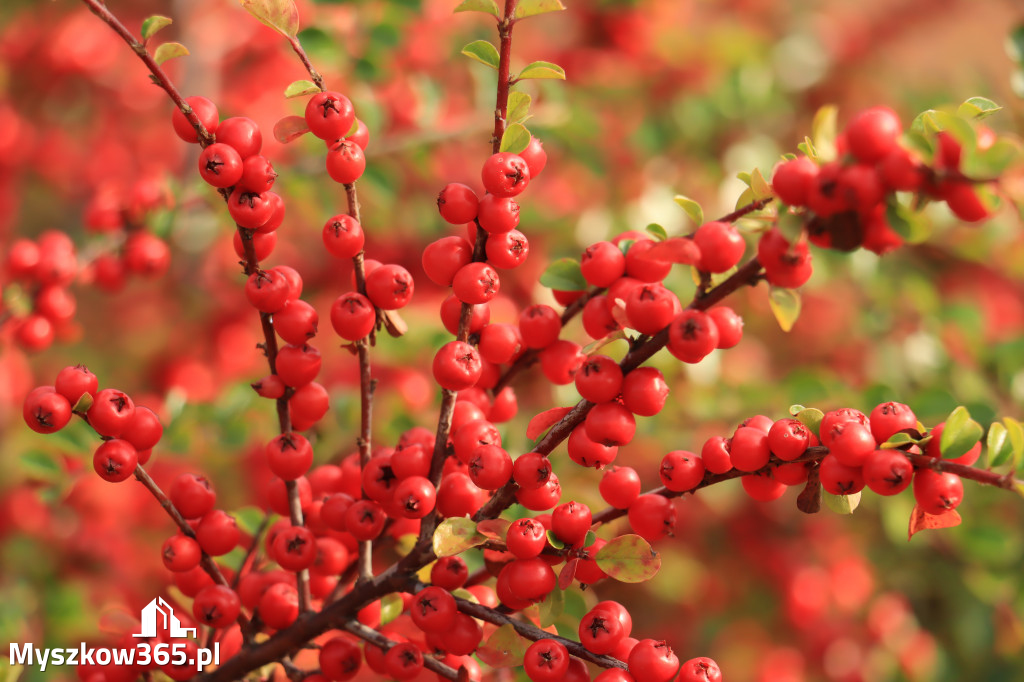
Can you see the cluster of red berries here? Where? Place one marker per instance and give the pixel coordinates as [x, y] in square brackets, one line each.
[129, 431]
[848, 196]
[124, 214]
[44, 268]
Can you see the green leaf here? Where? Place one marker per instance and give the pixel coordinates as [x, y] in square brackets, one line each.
[745, 198]
[977, 108]
[518, 107]
[531, 8]
[456, 535]
[811, 418]
[794, 410]
[589, 539]
[785, 305]
[83, 403]
[1015, 44]
[912, 226]
[280, 15]
[485, 6]
[657, 231]
[692, 208]
[898, 440]
[629, 559]
[842, 504]
[992, 161]
[541, 70]
[391, 606]
[564, 274]
[248, 519]
[40, 465]
[959, 434]
[790, 225]
[551, 608]
[299, 88]
[483, 52]
[290, 128]
[153, 24]
[169, 51]
[808, 149]
[760, 186]
[554, 541]
[1015, 432]
[515, 139]
[998, 445]
[823, 132]
[505, 648]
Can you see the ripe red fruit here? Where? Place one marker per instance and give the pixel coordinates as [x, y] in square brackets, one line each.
[602, 263]
[217, 533]
[889, 418]
[353, 316]
[111, 412]
[463, 636]
[180, 553]
[560, 361]
[600, 630]
[651, 307]
[543, 498]
[390, 287]
[345, 162]
[788, 439]
[535, 157]
[267, 290]
[507, 250]
[586, 452]
[205, 111]
[716, 456]
[404, 661]
[728, 324]
[681, 470]
[620, 486]
[936, 492]
[652, 517]
[250, 209]
[74, 382]
[476, 283]
[340, 658]
[192, 495]
[220, 165]
[793, 179]
[216, 606]
[500, 342]
[289, 455]
[526, 538]
[294, 548]
[721, 246]
[45, 410]
[490, 467]
[599, 379]
[784, 266]
[505, 175]
[610, 424]
[644, 391]
[539, 325]
[653, 661]
[457, 366]
[365, 519]
[433, 609]
[329, 115]
[692, 335]
[296, 322]
[457, 203]
[640, 267]
[570, 522]
[838, 478]
[449, 573]
[887, 472]
[749, 450]
[531, 470]
[415, 496]
[144, 430]
[343, 236]
[597, 318]
[701, 669]
[546, 660]
[451, 313]
[873, 133]
[498, 214]
[849, 442]
[444, 257]
[241, 133]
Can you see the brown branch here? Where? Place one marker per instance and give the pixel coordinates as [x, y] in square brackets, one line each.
[381, 642]
[100, 10]
[504, 65]
[318, 80]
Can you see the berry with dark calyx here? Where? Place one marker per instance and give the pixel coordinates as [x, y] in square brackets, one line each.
[507, 250]
[600, 630]
[588, 453]
[850, 442]
[681, 470]
[839, 479]
[267, 291]
[476, 283]
[205, 111]
[842, 415]
[570, 522]
[390, 287]
[620, 486]
[526, 538]
[543, 498]
[701, 669]
[597, 318]
[111, 412]
[788, 439]
[404, 661]
[216, 606]
[180, 553]
[343, 236]
[241, 133]
[457, 366]
[353, 316]
[294, 548]
[329, 115]
[220, 165]
[889, 418]
[490, 467]
[651, 307]
[250, 209]
[433, 609]
[610, 424]
[599, 379]
[415, 497]
[644, 391]
[445, 257]
[531, 470]
[340, 658]
[887, 472]
[115, 460]
[546, 660]
[505, 175]
[345, 162]
[937, 492]
[192, 495]
[784, 265]
[653, 661]
[652, 516]
[365, 519]
[716, 455]
[692, 336]
[257, 173]
[289, 455]
[498, 214]
[296, 322]
[45, 410]
[449, 573]
[472, 435]
[457, 203]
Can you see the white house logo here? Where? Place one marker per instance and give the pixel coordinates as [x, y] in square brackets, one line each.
[157, 617]
[158, 611]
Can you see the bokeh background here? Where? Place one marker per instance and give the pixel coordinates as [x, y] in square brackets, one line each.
[662, 97]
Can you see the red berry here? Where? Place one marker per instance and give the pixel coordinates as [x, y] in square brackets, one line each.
[887, 472]
[653, 661]
[345, 162]
[644, 391]
[507, 250]
[692, 335]
[784, 266]
[602, 263]
[839, 479]
[445, 257]
[531, 470]
[205, 111]
[701, 669]
[792, 180]
[526, 538]
[498, 214]
[115, 460]
[681, 471]
[343, 236]
[220, 165]
[329, 115]
[505, 175]
[353, 316]
[390, 287]
[535, 157]
[241, 133]
[599, 379]
[476, 283]
[652, 516]
[721, 246]
[873, 133]
[546, 660]
[217, 533]
[180, 553]
[788, 439]
[457, 203]
[620, 486]
[570, 522]
[457, 366]
[610, 424]
[111, 412]
[192, 495]
[45, 410]
[216, 606]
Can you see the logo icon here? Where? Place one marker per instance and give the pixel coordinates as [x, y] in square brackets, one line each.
[170, 621]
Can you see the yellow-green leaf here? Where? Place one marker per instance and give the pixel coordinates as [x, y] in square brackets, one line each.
[153, 24]
[530, 8]
[1015, 432]
[977, 108]
[456, 535]
[759, 185]
[169, 51]
[564, 274]
[483, 52]
[842, 504]
[541, 70]
[485, 6]
[998, 445]
[391, 606]
[785, 305]
[551, 608]
[518, 107]
[280, 15]
[823, 132]
[515, 139]
[960, 433]
[300, 88]
[629, 559]
[505, 648]
[692, 208]
[810, 417]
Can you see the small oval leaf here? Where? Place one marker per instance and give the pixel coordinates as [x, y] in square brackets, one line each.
[505, 648]
[785, 305]
[289, 128]
[692, 208]
[977, 108]
[530, 8]
[483, 52]
[629, 559]
[169, 51]
[551, 608]
[842, 504]
[564, 274]
[486, 6]
[542, 70]
[515, 139]
[1015, 432]
[959, 434]
[657, 231]
[456, 535]
[280, 15]
[544, 421]
[518, 107]
[998, 445]
[300, 88]
[810, 417]
[153, 24]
